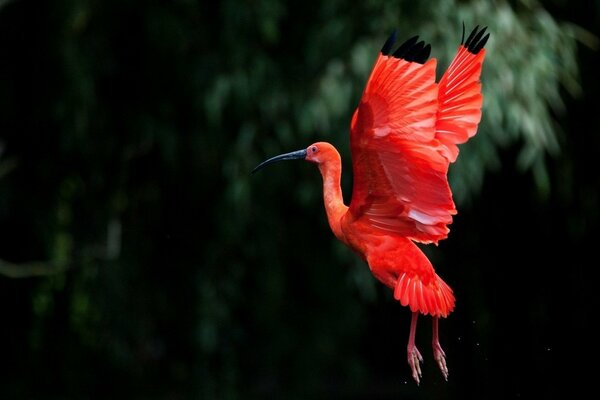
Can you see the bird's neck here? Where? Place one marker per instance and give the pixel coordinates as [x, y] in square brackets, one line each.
[331, 171]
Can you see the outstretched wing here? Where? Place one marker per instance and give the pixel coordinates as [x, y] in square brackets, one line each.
[460, 99]
[400, 164]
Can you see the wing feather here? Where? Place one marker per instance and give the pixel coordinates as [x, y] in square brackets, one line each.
[403, 136]
[460, 97]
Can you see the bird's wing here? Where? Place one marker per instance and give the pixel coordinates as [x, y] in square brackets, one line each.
[460, 99]
[399, 164]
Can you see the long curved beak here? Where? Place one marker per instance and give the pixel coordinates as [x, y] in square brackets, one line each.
[294, 155]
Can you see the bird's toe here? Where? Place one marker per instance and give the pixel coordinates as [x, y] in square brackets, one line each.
[414, 361]
[440, 358]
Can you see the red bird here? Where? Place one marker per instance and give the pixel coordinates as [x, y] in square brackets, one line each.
[403, 136]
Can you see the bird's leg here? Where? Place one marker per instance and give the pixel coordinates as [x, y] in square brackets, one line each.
[414, 357]
[438, 352]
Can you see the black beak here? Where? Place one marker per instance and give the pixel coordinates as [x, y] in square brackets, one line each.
[294, 155]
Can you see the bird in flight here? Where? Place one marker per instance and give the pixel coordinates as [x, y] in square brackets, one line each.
[403, 137]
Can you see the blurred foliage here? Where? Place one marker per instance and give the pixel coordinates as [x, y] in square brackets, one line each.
[127, 133]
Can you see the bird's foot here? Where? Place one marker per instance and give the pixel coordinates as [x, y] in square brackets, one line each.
[414, 360]
[440, 358]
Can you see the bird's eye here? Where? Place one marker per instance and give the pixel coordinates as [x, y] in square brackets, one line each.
[314, 149]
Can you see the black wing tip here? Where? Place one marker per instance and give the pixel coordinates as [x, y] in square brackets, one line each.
[411, 50]
[476, 40]
[414, 51]
[387, 46]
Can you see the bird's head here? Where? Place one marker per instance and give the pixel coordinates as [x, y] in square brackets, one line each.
[318, 153]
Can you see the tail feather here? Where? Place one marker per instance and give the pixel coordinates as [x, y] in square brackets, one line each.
[435, 298]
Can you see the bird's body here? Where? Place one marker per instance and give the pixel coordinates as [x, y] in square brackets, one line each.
[403, 136]
[393, 259]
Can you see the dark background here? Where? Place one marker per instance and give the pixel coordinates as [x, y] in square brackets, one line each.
[140, 259]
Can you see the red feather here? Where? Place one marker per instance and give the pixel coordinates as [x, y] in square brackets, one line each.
[403, 137]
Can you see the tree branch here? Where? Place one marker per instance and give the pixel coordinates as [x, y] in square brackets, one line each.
[34, 268]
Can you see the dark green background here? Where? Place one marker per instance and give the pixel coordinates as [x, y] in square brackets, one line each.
[140, 259]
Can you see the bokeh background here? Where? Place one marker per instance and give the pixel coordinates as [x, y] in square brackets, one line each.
[140, 259]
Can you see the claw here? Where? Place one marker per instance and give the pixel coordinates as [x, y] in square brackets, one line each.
[414, 361]
[440, 358]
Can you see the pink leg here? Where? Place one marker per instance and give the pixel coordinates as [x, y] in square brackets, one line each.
[414, 357]
[438, 352]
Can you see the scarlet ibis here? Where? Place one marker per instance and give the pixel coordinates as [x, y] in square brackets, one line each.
[403, 136]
